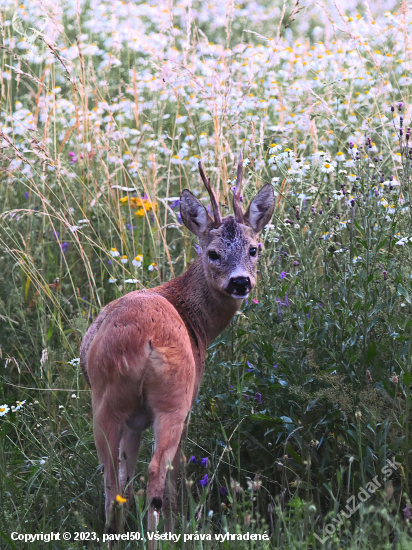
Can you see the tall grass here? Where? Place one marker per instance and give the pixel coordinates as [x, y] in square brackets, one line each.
[106, 110]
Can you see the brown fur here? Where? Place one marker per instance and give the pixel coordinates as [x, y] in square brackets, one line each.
[144, 355]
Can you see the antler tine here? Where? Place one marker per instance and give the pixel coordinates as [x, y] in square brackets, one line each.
[215, 206]
[236, 197]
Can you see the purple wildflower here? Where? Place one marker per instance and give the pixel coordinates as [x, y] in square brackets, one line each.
[283, 275]
[74, 158]
[109, 262]
[258, 398]
[56, 235]
[223, 491]
[26, 195]
[286, 303]
[198, 249]
[407, 513]
[204, 462]
[203, 482]
[64, 247]
[193, 460]
[250, 366]
[275, 366]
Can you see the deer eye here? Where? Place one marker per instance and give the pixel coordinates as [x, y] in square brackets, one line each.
[213, 255]
[253, 251]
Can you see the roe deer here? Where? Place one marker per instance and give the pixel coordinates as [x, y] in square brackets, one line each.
[144, 354]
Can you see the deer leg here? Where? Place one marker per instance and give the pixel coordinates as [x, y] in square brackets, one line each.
[167, 430]
[170, 494]
[129, 451]
[107, 434]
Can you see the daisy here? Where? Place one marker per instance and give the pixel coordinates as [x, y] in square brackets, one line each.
[340, 156]
[153, 267]
[20, 405]
[124, 260]
[327, 168]
[137, 262]
[274, 148]
[131, 281]
[112, 280]
[114, 252]
[351, 177]
[4, 409]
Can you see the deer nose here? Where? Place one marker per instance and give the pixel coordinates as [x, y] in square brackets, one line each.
[240, 285]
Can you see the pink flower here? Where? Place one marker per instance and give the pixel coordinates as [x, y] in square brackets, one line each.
[255, 301]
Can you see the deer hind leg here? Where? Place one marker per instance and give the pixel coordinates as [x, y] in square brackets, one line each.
[129, 451]
[170, 494]
[107, 435]
[167, 430]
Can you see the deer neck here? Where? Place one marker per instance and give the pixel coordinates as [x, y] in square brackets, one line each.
[204, 310]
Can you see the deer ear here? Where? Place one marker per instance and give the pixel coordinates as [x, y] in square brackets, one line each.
[261, 208]
[194, 214]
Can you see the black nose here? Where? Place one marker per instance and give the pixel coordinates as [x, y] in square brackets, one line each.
[240, 285]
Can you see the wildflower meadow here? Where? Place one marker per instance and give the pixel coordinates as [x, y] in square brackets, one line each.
[301, 433]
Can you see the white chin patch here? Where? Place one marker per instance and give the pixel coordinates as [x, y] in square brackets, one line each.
[240, 296]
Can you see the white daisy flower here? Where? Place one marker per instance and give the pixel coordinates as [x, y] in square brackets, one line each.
[131, 281]
[114, 252]
[340, 156]
[4, 409]
[319, 155]
[20, 405]
[327, 168]
[274, 148]
[137, 262]
[351, 177]
[124, 259]
[112, 280]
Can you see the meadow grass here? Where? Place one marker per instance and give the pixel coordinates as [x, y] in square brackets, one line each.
[106, 109]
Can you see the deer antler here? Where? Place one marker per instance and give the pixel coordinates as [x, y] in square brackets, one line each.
[215, 206]
[236, 196]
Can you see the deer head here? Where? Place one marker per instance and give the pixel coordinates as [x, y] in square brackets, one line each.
[229, 245]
